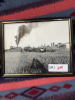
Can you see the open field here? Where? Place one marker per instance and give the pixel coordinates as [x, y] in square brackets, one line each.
[33, 62]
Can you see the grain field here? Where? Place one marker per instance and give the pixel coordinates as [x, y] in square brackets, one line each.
[33, 62]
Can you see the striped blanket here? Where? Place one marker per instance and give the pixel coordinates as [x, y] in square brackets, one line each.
[51, 88]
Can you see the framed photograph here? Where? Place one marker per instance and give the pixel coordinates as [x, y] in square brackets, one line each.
[37, 47]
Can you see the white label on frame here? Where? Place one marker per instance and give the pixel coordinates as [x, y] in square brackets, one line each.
[58, 67]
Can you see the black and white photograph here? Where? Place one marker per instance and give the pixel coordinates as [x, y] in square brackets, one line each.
[37, 47]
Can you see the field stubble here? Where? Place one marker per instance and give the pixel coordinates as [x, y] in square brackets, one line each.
[13, 60]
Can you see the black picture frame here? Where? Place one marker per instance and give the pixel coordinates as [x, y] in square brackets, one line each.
[35, 74]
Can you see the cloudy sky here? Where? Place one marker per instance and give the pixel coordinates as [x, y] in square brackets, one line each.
[43, 33]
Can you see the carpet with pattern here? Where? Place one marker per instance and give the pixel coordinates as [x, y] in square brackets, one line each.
[51, 88]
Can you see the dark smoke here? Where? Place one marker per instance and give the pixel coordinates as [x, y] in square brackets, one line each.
[25, 30]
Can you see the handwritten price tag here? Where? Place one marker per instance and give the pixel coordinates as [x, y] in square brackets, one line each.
[58, 67]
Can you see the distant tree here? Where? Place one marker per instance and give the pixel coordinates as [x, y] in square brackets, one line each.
[53, 44]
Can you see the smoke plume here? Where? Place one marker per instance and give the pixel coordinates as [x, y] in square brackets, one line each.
[25, 30]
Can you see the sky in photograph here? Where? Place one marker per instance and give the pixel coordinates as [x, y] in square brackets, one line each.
[43, 33]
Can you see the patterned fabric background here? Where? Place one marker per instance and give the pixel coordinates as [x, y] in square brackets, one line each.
[57, 88]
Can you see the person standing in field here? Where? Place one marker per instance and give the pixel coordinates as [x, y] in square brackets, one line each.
[21, 50]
